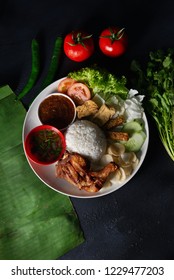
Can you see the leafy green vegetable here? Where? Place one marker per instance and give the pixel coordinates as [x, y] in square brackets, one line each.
[101, 82]
[157, 82]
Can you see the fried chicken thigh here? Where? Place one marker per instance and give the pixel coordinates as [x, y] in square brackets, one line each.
[75, 169]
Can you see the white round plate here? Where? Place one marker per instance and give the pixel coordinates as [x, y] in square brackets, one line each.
[47, 173]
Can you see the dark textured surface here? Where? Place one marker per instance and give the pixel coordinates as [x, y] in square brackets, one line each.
[135, 222]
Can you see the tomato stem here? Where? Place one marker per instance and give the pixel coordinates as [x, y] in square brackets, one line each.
[78, 39]
[114, 36]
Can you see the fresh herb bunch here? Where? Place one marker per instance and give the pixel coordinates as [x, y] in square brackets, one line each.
[157, 82]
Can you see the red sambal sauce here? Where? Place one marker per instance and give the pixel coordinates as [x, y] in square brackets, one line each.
[56, 110]
[46, 145]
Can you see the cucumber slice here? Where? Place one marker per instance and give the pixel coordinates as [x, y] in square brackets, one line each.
[133, 126]
[135, 142]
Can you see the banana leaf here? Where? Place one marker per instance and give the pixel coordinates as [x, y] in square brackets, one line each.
[35, 222]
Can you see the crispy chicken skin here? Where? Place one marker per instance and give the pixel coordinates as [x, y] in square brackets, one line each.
[104, 172]
[75, 169]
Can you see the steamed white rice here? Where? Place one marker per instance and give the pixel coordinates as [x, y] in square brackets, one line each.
[87, 139]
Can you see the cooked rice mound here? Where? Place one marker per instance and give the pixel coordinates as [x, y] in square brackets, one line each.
[87, 139]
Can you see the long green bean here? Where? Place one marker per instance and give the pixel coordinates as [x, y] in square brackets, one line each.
[35, 68]
[53, 63]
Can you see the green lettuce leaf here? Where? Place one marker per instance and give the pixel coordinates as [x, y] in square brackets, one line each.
[101, 82]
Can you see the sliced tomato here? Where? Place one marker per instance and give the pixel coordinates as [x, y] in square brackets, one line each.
[65, 84]
[79, 93]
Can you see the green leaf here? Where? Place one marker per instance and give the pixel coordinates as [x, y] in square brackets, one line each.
[167, 62]
[35, 221]
[158, 85]
[101, 82]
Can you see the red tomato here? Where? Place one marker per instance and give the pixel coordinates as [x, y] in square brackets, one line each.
[113, 41]
[65, 84]
[78, 46]
[79, 93]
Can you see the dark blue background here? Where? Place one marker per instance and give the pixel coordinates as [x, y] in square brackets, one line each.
[135, 222]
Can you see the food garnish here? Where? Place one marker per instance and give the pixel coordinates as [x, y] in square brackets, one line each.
[101, 82]
[137, 136]
[79, 93]
[157, 83]
[64, 85]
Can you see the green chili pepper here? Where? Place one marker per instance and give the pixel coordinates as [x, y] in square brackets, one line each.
[54, 63]
[35, 68]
